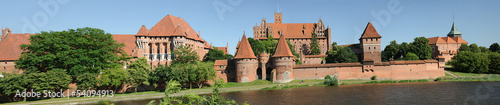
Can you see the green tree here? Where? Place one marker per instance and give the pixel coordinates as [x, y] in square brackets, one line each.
[139, 71]
[86, 81]
[331, 81]
[268, 46]
[494, 47]
[204, 71]
[185, 54]
[391, 50]
[314, 45]
[411, 56]
[420, 46]
[494, 66]
[464, 47]
[214, 54]
[474, 48]
[82, 50]
[484, 49]
[11, 83]
[404, 49]
[53, 80]
[339, 54]
[113, 78]
[467, 61]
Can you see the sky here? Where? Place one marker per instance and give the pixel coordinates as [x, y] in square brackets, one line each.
[224, 21]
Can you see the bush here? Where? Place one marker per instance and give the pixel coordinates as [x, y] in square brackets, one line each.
[331, 81]
[374, 77]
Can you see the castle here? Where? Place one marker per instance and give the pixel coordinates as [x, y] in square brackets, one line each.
[281, 67]
[444, 48]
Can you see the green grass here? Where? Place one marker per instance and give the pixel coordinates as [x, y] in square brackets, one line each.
[464, 74]
[483, 77]
[284, 87]
[256, 82]
[307, 80]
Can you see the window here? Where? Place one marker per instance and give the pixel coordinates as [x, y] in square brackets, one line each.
[442, 48]
[368, 47]
[374, 47]
[366, 39]
[372, 39]
[376, 39]
[221, 67]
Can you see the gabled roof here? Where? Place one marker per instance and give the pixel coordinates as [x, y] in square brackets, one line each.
[220, 62]
[207, 46]
[174, 26]
[244, 50]
[223, 49]
[454, 30]
[143, 31]
[370, 32]
[10, 47]
[282, 49]
[449, 40]
[435, 40]
[128, 40]
[291, 30]
[459, 40]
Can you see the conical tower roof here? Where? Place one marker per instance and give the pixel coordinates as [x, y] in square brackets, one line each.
[454, 30]
[143, 31]
[244, 50]
[282, 49]
[370, 32]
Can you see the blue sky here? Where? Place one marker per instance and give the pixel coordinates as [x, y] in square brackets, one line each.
[400, 20]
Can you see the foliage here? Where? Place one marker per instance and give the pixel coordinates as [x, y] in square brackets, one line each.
[53, 80]
[466, 61]
[214, 54]
[86, 81]
[139, 71]
[331, 81]
[11, 83]
[374, 77]
[268, 46]
[494, 65]
[314, 45]
[187, 74]
[464, 47]
[411, 56]
[339, 54]
[185, 54]
[113, 77]
[420, 46]
[391, 51]
[82, 50]
[494, 47]
[474, 48]
[404, 49]
[484, 49]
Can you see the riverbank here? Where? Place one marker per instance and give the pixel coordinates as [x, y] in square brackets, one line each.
[255, 85]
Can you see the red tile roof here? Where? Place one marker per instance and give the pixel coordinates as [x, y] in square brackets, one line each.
[174, 26]
[10, 47]
[407, 62]
[128, 40]
[244, 50]
[435, 40]
[143, 31]
[282, 49]
[449, 40]
[430, 61]
[370, 32]
[328, 65]
[459, 40]
[223, 49]
[292, 30]
[220, 62]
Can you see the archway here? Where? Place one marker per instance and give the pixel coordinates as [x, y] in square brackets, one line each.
[259, 73]
[268, 73]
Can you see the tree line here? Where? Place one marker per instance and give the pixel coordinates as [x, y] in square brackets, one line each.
[419, 49]
[477, 59]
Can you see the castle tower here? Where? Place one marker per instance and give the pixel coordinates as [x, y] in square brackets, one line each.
[454, 31]
[246, 62]
[263, 59]
[370, 45]
[277, 18]
[283, 62]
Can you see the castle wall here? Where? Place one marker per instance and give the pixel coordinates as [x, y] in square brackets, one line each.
[9, 67]
[284, 69]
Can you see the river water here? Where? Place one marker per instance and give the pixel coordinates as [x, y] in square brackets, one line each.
[431, 93]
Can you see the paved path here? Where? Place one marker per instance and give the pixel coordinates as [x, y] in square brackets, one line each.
[156, 95]
[450, 73]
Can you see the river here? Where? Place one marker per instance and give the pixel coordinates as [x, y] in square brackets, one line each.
[431, 93]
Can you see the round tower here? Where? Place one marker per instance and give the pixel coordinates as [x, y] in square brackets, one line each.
[283, 62]
[263, 59]
[246, 62]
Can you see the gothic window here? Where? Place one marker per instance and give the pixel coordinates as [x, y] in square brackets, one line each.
[366, 39]
[372, 39]
[368, 47]
[374, 47]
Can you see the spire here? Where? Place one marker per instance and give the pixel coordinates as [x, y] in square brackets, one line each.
[370, 32]
[454, 30]
[282, 49]
[245, 50]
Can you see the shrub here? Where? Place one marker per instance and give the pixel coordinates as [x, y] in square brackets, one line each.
[374, 77]
[331, 81]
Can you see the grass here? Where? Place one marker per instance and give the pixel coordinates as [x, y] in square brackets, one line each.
[483, 77]
[284, 87]
[396, 81]
[465, 74]
[307, 80]
[253, 83]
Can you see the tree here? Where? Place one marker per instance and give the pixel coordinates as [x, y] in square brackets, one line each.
[467, 61]
[268, 46]
[214, 54]
[314, 45]
[404, 49]
[391, 50]
[86, 81]
[339, 54]
[113, 78]
[494, 47]
[139, 71]
[474, 48]
[331, 81]
[185, 54]
[411, 56]
[484, 49]
[11, 83]
[53, 80]
[464, 47]
[204, 71]
[82, 50]
[494, 66]
[420, 46]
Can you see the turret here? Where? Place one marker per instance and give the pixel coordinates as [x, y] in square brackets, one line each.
[454, 31]
[370, 45]
[283, 62]
[277, 18]
[246, 62]
[263, 59]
